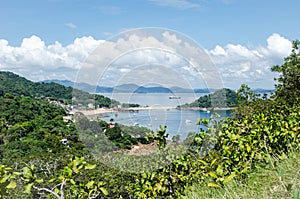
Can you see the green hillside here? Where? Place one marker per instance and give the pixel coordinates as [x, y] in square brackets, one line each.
[17, 85]
[220, 98]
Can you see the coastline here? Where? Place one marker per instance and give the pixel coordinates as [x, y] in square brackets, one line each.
[112, 110]
[206, 109]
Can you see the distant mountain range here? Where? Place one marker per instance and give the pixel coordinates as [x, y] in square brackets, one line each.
[133, 88]
[126, 88]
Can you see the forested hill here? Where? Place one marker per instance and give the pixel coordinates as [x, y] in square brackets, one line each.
[17, 85]
[221, 98]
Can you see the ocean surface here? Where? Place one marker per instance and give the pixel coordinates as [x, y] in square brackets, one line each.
[154, 99]
[177, 121]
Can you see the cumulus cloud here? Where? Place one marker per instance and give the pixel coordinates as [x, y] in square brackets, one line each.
[240, 64]
[38, 61]
[278, 45]
[141, 48]
[235, 63]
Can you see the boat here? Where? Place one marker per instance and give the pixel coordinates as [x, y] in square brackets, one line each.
[188, 121]
[174, 97]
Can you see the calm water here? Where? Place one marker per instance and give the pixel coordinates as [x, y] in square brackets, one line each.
[177, 121]
[154, 99]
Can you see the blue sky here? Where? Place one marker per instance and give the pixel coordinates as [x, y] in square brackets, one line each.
[240, 35]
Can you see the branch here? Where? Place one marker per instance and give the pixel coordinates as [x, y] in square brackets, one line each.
[49, 191]
[62, 188]
[94, 196]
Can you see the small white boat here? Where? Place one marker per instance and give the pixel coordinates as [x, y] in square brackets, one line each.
[188, 121]
[174, 97]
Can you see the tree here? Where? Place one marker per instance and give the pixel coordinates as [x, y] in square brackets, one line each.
[288, 87]
[245, 95]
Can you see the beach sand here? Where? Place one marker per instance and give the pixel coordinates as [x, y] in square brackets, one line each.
[112, 110]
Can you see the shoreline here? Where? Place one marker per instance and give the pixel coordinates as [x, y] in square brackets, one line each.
[136, 109]
[207, 109]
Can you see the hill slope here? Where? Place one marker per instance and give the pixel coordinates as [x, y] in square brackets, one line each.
[17, 85]
[221, 98]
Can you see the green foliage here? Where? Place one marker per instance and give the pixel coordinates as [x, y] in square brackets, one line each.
[279, 179]
[288, 87]
[221, 98]
[135, 131]
[30, 126]
[245, 95]
[121, 139]
[128, 105]
[11, 83]
[161, 137]
[67, 184]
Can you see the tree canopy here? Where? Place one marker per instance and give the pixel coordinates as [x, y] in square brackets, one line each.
[288, 87]
[17, 85]
[220, 98]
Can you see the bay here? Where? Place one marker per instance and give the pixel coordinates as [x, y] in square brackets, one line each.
[178, 122]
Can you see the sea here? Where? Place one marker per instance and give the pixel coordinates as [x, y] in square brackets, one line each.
[177, 122]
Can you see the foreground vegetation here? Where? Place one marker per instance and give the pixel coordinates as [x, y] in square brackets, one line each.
[222, 158]
[278, 179]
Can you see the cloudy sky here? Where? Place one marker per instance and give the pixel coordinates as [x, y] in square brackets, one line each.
[53, 39]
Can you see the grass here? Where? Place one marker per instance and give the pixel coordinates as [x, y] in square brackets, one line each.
[279, 179]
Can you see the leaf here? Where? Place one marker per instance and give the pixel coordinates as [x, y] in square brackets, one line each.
[11, 185]
[90, 166]
[72, 182]
[4, 179]
[100, 183]
[229, 178]
[104, 191]
[211, 184]
[56, 190]
[39, 181]
[212, 174]
[213, 162]
[27, 173]
[90, 184]
[248, 148]
[202, 161]
[17, 173]
[52, 180]
[27, 188]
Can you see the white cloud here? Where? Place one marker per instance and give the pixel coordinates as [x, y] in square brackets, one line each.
[240, 64]
[142, 48]
[236, 63]
[279, 45]
[71, 25]
[37, 61]
[218, 51]
[180, 4]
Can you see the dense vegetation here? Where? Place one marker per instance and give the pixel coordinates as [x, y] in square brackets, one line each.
[220, 98]
[32, 127]
[261, 132]
[16, 85]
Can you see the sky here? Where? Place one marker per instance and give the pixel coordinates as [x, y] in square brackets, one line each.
[53, 39]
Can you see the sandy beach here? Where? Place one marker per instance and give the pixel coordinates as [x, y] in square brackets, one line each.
[112, 110]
